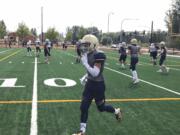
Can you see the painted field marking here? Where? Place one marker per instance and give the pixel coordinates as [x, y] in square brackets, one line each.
[4, 51]
[78, 100]
[9, 55]
[174, 69]
[152, 84]
[174, 65]
[34, 113]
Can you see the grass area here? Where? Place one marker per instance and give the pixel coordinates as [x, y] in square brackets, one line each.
[147, 109]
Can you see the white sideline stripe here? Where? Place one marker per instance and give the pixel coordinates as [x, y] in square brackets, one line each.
[152, 84]
[71, 55]
[174, 68]
[34, 129]
[4, 51]
[155, 85]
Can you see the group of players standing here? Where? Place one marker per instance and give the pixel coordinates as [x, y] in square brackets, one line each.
[134, 50]
[47, 49]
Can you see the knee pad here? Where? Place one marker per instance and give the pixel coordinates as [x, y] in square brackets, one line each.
[100, 106]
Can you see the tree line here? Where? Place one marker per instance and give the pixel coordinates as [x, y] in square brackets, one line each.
[75, 33]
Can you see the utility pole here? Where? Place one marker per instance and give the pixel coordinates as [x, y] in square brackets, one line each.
[42, 34]
[111, 13]
[151, 32]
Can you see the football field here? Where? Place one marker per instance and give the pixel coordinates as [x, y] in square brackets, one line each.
[44, 99]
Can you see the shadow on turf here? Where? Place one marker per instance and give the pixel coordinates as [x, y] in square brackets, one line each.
[134, 86]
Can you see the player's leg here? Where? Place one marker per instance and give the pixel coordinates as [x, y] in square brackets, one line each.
[134, 61]
[99, 95]
[85, 104]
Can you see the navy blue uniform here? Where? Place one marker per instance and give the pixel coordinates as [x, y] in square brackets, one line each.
[123, 53]
[47, 48]
[134, 49]
[78, 49]
[94, 88]
[38, 46]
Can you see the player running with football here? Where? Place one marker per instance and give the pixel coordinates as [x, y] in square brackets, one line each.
[93, 61]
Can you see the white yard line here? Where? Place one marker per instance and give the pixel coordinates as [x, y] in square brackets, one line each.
[4, 51]
[34, 130]
[152, 84]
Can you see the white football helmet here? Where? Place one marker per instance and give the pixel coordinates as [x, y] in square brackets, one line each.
[123, 44]
[88, 43]
[162, 43]
[133, 41]
[47, 40]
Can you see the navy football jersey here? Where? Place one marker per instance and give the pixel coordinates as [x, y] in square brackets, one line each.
[134, 50]
[96, 57]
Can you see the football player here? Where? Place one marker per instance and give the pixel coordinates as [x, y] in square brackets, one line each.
[123, 55]
[47, 48]
[134, 50]
[162, 55]
[78, 52]
[38, 50]
[93, 61]
[29, 48]
[153, 53]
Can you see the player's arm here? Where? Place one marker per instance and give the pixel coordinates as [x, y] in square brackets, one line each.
[129, 50]
[95, 70]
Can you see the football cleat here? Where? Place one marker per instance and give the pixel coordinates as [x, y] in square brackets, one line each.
[79, 133]
[160, 71]
[118, 114]
[136, 81]
[167, 69]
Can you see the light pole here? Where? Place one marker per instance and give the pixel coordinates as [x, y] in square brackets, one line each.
[111, 13]
[125, 19]
[42, 34]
